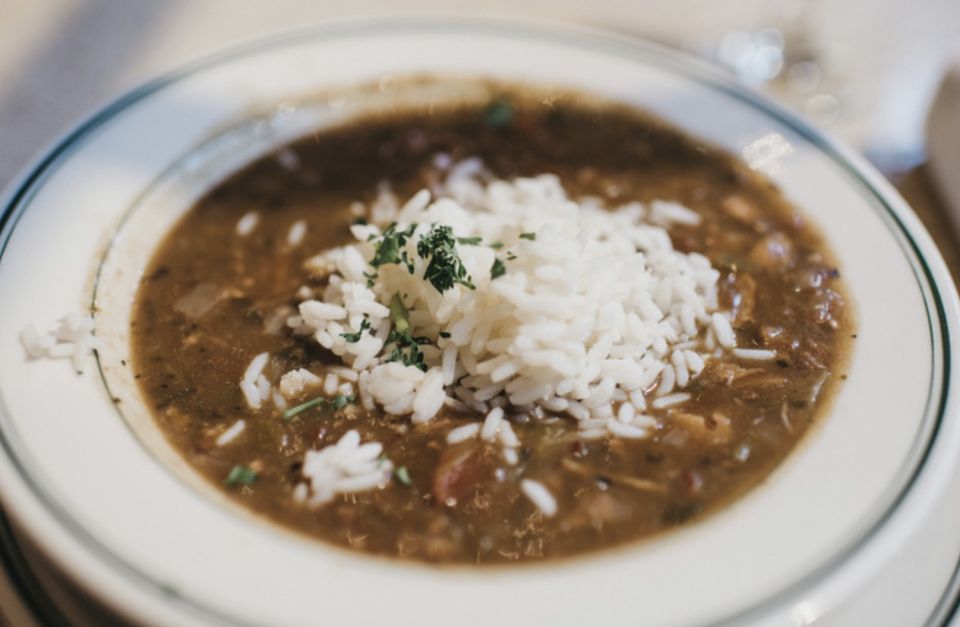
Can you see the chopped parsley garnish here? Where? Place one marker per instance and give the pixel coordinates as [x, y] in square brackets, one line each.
[240, 475]
[443, 334]
[510, 256]
[302, 407]
[389, 249]
[498, 114]
[496, 245]
[497, 269]
[340, 401]
[406, 349]
[445, 269]
[353, 338]
[402, 475]
[469, 241]
[399, 314]
[529, 236]
[359, 220]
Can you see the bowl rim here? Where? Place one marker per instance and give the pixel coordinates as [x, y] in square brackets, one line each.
[926, 263]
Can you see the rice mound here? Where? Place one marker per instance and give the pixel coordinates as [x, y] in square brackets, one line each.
[592, 310]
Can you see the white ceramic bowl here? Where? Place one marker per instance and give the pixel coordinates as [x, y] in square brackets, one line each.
[860, 525]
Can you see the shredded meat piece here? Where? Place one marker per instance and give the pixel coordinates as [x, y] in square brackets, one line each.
[744, 297]
[715, 429]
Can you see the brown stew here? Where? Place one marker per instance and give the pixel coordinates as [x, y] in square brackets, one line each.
[210, 301]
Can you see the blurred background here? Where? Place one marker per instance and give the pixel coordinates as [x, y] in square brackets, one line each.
[864, 69]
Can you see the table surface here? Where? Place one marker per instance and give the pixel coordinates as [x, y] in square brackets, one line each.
[61, 59]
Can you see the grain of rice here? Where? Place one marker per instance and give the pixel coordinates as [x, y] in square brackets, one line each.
[231, 433]
[539, 496]
[491, 424]
[297, 232]
[456, 405]
[755, 354]
[255, 369]
[463, 433]
[251, 394]
[671, 400]
[507, 436]
[248, 223]
[263, 387]
[668, 378]
[594, 434]
[694, 361]
[624, 430]
[577, 411]
[724, 332]
[638, 400]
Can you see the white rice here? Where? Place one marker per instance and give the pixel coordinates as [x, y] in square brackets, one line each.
[254, 385]
[251, 394]
[263, 387]
[298, 231]
[491, 424]
[594, 307]
[755, 354]
[507, 436]
[723, 330]
[72, 339]
[344, 467]
[463, 433]
[296, 382]
[539, 496]
[231, 433]
[247, 224]
[255, 368]
[671, 400]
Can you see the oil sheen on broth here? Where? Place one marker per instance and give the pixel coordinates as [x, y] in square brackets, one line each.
[211, 300]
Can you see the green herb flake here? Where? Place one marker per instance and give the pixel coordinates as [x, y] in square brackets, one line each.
[496, 245]
[399, 314]
[340, 401]
[498, 114]
[469, 241]
[353, 338]
[402, 475]
[360, 220]
[510, 256]
[445, 268]
[497, 270]
[302, 407]
[444, 334]
[406, 349]
[388, 249]
[240, 475]
[529, 236]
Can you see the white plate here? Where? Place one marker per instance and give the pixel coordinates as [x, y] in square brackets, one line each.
[831, 535]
